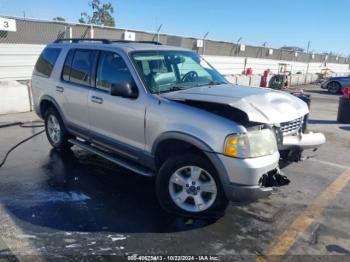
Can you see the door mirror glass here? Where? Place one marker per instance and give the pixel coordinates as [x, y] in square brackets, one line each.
[124, 89]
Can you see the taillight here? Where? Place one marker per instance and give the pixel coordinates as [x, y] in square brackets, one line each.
[346, 92]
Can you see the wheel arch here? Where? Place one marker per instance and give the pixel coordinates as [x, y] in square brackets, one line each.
[186, 141]
[47, 102]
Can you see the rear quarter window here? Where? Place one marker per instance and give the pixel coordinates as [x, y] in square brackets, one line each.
[46, 62]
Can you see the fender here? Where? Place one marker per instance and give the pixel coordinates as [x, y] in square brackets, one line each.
[52, 100]
[183, 137]
[207, 150]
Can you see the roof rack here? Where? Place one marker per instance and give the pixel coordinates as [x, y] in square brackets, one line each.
[140, 42]
[104, 41]
[77, 40]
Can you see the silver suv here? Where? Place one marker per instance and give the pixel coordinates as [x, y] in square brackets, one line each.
[163, 111]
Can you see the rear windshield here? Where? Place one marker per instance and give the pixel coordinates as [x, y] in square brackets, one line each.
[46, 62]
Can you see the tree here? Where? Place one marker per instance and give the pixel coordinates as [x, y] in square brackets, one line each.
[101, 14]
[59, 19]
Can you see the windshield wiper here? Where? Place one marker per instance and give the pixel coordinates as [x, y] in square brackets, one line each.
[173, 88]
[213, 83]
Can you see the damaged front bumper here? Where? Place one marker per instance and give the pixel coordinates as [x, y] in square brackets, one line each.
[292, 148]
[304, 141]
[247, 180]
[246, 193]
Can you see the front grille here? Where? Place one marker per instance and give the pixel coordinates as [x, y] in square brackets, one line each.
[291, 127]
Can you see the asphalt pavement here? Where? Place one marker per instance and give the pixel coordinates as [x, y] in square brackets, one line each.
[76, 204]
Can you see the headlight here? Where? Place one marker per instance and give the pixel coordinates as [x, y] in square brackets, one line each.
[252, 144]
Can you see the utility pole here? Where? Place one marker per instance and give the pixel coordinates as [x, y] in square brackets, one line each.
[308, 60]
[204, 37]
[237, 43]
[262, 48]
[158, 30]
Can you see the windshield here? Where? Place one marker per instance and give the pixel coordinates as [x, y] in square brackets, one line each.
[165, 71]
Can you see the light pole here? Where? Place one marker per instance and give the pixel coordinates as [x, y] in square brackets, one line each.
[308, 60]
[204, 37]
[158, 30]
[262, 47]
[237, 43]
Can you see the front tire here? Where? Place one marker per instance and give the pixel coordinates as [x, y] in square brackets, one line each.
[188, 185]
[334, 88]
[55, 130]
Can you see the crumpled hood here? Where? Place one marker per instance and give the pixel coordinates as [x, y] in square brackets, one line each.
[262, 105]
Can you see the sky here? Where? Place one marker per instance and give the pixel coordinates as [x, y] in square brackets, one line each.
[325, 23]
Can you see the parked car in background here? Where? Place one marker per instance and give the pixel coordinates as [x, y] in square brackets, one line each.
[335, 85]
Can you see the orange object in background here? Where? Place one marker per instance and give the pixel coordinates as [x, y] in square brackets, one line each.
[249, 71]
[265, 77]
[346, 92]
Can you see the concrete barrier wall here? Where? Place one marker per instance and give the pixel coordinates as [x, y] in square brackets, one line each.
[14, 97]
[243, 80]
[236, 65]
[17, 60]
[255, 80]
[227, 65]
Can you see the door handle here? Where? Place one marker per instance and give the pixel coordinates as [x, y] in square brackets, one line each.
[59, 89]
[97, 100]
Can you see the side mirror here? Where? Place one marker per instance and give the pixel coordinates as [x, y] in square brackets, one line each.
[124, 89]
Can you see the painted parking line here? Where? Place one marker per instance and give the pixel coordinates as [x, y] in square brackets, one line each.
[286, 240]
[328, 163]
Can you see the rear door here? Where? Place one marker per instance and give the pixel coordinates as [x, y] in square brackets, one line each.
[77, 80]
[116, 122]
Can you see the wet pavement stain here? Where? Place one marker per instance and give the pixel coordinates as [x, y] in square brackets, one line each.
[338, 249]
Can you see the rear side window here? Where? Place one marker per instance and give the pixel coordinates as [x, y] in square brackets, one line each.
[67, 65]
[80, 69]
[46, 62]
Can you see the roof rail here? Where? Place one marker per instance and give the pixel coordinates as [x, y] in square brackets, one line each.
[140, 42]
[77, 40]
[104, 41]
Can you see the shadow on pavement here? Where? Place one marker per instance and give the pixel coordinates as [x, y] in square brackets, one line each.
[323, 122]
[319, 91]
[346, 128]
[88, 194]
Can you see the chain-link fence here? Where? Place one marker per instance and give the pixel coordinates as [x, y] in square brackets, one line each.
[32, 31]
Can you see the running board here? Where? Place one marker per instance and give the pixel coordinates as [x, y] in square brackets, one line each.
[119, 161]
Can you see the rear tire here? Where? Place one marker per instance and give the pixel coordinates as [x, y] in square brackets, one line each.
[55, 130]
[334, 88]
[181, 193]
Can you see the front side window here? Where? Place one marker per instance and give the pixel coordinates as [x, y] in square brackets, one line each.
[81, 67]
[46, 62]
[165, 71]
[111, 70]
